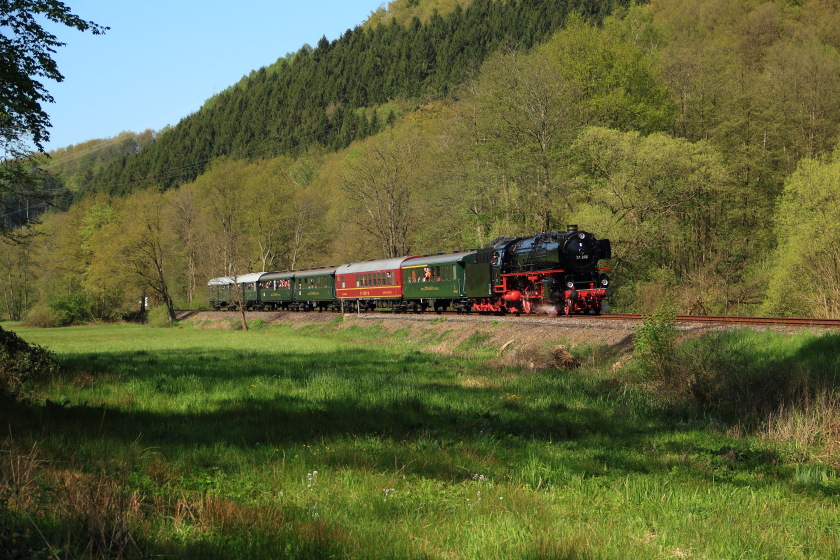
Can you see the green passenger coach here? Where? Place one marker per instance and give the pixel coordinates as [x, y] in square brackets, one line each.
[315, 290]
[436, 281]
[277, 290]
[225, 292]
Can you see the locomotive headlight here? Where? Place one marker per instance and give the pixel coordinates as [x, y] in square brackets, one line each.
[570, 284]
[605, 281]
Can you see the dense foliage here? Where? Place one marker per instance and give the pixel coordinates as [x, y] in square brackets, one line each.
[696, 134]
[26, 49]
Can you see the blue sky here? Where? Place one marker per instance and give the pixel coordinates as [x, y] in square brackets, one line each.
[162, 59]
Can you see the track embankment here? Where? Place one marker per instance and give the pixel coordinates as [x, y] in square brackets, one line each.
[513, 336]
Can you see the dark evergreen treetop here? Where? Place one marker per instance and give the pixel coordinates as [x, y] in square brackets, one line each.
[316, 96]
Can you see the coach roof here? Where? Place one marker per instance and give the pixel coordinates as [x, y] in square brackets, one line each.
[428, 260]
[243, 279]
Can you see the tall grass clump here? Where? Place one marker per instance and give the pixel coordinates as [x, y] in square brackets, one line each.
[747, 373]
[786, 386]
[811, 428]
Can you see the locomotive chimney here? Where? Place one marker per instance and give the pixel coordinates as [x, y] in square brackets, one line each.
[571, 228]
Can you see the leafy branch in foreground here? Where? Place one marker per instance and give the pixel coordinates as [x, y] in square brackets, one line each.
[26, 50]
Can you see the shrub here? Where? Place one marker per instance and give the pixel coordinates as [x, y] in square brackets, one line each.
[41, 316]
[158, 317]
[21, 362]
[655, 341]
[70, 308]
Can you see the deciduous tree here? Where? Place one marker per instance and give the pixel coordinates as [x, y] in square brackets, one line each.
[225, 209]
[379, 185]
[806, 266]
[665, 200]
[137, 249]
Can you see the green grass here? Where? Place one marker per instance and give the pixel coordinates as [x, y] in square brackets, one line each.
[348, 442]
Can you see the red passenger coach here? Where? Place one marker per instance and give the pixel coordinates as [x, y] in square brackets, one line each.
[369, 285]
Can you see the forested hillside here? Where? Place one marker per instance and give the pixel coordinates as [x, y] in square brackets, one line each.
[328, 96]
[701, 136]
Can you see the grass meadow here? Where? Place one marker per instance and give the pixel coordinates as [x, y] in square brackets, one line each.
[348, 441]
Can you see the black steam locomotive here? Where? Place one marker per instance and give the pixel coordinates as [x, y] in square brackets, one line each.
[551, 272]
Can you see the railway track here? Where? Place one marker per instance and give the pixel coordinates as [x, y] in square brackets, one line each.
[704, 319]
[720, 320]
[629, 317]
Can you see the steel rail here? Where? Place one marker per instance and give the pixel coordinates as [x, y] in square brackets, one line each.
[728, 320]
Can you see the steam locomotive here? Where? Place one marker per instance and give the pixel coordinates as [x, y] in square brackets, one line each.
[554, 272]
